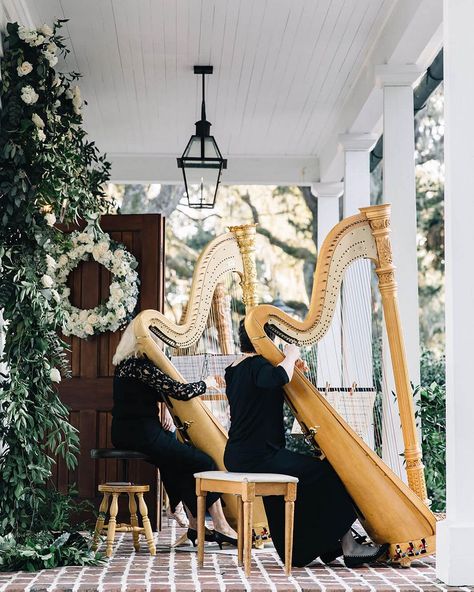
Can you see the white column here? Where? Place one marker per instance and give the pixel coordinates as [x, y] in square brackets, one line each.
[456, 533]
[399, 189]
[356, 291]
[329, 348]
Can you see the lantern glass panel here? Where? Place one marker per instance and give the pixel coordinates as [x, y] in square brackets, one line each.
[201, 184]
[200, 147]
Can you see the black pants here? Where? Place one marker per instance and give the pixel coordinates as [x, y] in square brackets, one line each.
[324, 511]
[176, 461]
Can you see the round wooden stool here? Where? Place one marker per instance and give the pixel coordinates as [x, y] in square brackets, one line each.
[115, 490]
[246, 486]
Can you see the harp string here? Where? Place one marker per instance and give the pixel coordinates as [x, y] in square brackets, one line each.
[346, 369]
[216, 348]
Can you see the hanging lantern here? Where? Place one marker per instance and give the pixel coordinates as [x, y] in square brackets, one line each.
[202, 161]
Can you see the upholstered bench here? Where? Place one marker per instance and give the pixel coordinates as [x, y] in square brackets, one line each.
[114, 490]
[246, 486]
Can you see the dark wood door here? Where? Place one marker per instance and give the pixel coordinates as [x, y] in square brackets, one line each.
[88, 394]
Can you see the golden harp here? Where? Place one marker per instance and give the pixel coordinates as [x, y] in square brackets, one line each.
[233, 252]
[390, 511]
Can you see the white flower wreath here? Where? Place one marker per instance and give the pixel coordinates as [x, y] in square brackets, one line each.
[111, 315]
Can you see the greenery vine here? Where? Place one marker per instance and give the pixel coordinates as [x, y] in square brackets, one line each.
[49, 172]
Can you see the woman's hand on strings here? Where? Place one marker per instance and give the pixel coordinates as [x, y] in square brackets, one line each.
[214, 381]
[292, 352]
[302, 365]
[167, 420]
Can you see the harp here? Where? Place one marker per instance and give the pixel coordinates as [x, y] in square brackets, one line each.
[390, 510]
[229, 254]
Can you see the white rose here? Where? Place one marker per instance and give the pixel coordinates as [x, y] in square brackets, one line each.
[50, 262]
[38, 41]
[47, 281]
[27, 35]
[45, 30]
[52, 59]
[62, 261]
[119, 253]
[24, 69]
[55, 375]
[92, 319]
[28, 95]
[89, 329]
[51, 48]
[41, 135]
[50, 218]
[36, 119]
[83, 237]
[83, 315]
[121, 312]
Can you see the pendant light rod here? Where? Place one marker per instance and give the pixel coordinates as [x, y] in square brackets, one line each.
[203, 70]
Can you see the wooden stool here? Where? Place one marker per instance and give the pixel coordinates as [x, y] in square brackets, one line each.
[114, 490]
[246, 486]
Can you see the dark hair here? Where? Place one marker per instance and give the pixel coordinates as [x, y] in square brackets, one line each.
[246, 345]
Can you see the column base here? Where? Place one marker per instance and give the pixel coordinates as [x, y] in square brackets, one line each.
[454, 553]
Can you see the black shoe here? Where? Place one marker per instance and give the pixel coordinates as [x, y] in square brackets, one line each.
[210, 535]
[358, 560]
[330, 556]
[223, 538]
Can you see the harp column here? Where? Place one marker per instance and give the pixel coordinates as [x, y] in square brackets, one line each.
[456, 533]
[329, 350]
[397, 82]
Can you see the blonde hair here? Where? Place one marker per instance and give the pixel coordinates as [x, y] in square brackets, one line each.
[128, 345]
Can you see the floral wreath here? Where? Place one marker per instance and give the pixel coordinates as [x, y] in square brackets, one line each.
[110, 315]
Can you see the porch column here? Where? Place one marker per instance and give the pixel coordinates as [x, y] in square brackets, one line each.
[456, 533]
[399, 189]
[356, 292]
[330, 347]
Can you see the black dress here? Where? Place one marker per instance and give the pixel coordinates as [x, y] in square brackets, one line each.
[323, 509]
[138, 386]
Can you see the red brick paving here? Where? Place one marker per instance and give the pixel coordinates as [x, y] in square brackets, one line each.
[176, 570]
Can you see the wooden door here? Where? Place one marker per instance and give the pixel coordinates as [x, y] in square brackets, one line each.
[88, 394]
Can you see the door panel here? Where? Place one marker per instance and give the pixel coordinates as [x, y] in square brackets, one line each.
[88, 394]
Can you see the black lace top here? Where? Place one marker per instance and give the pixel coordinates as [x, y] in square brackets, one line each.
[139, 385]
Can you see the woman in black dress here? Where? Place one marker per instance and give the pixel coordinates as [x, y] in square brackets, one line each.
[138, 386]
[324, 511]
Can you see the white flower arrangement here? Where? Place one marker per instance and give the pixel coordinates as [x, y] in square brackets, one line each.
[112, 314]
[29, 95]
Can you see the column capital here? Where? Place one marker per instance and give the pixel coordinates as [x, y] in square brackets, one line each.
[332, 189]
[358, 142]
[397, 74]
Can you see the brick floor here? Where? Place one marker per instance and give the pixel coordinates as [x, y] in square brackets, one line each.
[176, 570]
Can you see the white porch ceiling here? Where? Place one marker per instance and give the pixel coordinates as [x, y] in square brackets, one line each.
[285, 72]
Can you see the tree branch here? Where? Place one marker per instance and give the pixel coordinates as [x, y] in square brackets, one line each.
[297, 252]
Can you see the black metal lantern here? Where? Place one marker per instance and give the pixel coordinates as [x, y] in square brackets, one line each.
[202, 161]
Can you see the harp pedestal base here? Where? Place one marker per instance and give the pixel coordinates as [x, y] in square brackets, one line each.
[405, 553]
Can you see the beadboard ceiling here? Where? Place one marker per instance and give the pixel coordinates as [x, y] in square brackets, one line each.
[283, 70]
